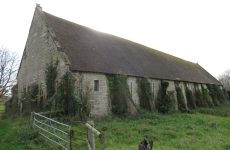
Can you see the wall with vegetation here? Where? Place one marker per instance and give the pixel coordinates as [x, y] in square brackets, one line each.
[99, 100]
[40, 49]
[172, 91]
[133, 89]
[181, 84]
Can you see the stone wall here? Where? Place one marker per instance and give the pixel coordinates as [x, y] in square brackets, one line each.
[99, 100]
[171, 90]
[40, 49]
[133, 89]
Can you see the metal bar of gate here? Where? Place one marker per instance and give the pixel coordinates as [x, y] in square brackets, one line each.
[51, 120]
[50, 133]
[51, 127]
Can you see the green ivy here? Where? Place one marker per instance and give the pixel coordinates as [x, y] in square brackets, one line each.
[213, 94]
[164, 101]
[180, 98]
[50, 76]
[226, 94]
[199, 96]
[64, 97]
[220, 94]
[207, 101]
[119, 93]
[145, 94]
[190, 98]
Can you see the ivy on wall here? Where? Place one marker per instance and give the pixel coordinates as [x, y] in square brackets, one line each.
[226, 94]
[120, 95]
[30, 98]
[50, 76]
[206, 98]
[198, 96]
[213, 94]
[191, 103]
[65, 99]
[164, 100]
[180, 97]
[145, 94]
[220, 94]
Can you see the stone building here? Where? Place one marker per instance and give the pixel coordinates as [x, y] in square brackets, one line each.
[92, 54]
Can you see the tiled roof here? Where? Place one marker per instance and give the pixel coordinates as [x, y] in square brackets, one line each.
[94, 51]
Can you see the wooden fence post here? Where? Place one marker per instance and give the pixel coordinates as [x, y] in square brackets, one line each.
[102, 140]
[91, 136]
[31, 120]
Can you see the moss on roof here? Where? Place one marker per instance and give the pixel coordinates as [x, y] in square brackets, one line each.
[93, 51]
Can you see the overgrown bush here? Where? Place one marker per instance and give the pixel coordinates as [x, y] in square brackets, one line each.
[145, 94]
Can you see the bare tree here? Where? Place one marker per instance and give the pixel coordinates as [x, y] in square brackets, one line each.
[9, 67]
[225, 78]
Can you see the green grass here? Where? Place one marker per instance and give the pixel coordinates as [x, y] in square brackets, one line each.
[190, 130]
[2, 107]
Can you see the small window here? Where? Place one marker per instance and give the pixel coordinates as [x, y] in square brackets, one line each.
[96, 85]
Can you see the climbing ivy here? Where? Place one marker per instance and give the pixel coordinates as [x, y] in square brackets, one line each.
[164, 101]
[190, 98]
[180, 97]
[220, 94]
[120, 95]
[145, 94]
[213, 94]
[50, 76]
[199, 96]
[64, 97]
[207, 101]
[226, 94]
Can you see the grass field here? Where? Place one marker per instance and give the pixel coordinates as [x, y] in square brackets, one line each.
[2, 107]
[201, 129]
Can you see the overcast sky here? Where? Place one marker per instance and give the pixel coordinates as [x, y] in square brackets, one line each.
[194, 30]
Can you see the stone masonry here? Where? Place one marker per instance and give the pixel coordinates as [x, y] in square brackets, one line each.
[40, 49]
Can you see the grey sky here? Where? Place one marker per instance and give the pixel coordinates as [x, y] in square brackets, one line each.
[197, 31]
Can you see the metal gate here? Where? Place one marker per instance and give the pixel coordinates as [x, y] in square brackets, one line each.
[51, 130]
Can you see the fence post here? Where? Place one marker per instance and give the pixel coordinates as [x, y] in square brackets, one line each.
[102, 140]
[91, 136]
[68, 138]
[31, 120]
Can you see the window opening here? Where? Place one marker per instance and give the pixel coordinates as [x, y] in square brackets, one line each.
[96, 85]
